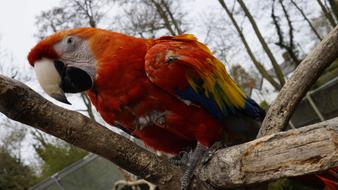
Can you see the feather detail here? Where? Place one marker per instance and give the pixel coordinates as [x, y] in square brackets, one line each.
[199, 77]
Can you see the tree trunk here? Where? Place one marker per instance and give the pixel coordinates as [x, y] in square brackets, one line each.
[171, 16]
[261, 69]
[276, 67]
[164, 16]
[327, 14]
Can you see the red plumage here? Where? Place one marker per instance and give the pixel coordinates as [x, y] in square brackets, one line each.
[123, 94]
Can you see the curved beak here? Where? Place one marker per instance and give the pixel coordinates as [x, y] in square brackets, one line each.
[56, 78]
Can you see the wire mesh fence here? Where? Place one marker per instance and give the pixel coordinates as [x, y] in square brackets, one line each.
[89, 173]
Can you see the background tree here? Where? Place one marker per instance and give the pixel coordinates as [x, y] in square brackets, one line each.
[14, 173]
[276, 67]
[334, 8]
[151, 18]
[307, 20]
[55, 155]
[260, 67]
[289, 45]
[327, 13]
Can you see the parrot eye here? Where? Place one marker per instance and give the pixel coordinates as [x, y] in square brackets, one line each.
[70, 40]
[70, 43]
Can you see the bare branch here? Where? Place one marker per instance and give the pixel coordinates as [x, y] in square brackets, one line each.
[288, 46]
[304, 76]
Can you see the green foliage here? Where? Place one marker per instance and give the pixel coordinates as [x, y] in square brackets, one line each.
[57, 156]
[13, 173]
[328, 74]
[265, 105]
[245, 80]
[242, 77]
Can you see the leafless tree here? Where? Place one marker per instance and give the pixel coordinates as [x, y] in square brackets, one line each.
[152, 18]
[70, 14]
[276, 67]
[282, 43]
[327, 13]
[314, 30]
[260, 67]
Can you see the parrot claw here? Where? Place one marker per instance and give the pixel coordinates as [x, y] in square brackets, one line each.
[200, 153]
[211, 151]
[181, 159]
[194, 157]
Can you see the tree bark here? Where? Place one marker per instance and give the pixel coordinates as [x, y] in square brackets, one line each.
[261, 69]
[276, 67]
[304, 76]
[292, 153]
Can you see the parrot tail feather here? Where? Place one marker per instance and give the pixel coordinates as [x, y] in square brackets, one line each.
[330, 179]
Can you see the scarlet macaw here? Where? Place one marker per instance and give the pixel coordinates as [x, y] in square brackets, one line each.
[171, 92]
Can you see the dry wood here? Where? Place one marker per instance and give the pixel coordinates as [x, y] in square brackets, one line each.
[285, 154]
[295, 88]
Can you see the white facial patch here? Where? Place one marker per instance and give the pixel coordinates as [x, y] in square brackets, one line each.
[48, 76]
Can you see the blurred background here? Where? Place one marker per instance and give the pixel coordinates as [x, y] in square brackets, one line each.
[259, 42]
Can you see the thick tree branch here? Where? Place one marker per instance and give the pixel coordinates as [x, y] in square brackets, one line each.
[285, 154]
[20, 103]
[295, 88]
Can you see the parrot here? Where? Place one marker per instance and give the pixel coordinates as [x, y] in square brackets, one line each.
[171, 92]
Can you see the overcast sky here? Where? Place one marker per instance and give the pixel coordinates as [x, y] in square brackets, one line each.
[17, 19]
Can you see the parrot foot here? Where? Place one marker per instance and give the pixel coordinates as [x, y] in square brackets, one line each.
[181, 159]
[193, 158]
[211, 151]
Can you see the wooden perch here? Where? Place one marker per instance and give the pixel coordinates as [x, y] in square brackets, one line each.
[296, 87]
[285, 154]
[291, 153]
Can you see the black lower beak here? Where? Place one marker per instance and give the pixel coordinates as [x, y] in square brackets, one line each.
[61, 98]
[73, 79]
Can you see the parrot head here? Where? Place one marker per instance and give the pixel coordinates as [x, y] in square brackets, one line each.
[65, 63]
